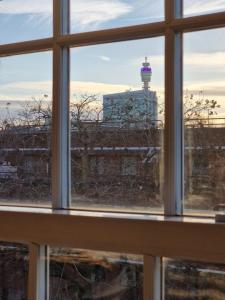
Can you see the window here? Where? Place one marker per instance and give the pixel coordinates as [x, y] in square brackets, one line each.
[25, 120]
[113, 116]
[123, 140]
[203, 120]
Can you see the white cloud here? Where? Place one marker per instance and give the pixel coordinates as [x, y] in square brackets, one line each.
[27, 90]
[17, 7]
[104, 58]
[29, 85]
[83, 12]
[207, 6]
[205, 60]
[209, 88]
[207, 64]
[95, 12]
[85, 87]
[18, 92]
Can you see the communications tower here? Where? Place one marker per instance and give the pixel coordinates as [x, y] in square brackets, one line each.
[146, 74]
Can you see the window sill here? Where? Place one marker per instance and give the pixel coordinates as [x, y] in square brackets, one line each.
[191, 238]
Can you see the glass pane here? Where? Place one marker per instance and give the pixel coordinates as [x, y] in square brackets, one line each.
[204, 113]
[89, 15]
[13, 271]
[197, 7]
[25, 125]
[193, 280]
[25, 20]
[117, 117]
[81, 274]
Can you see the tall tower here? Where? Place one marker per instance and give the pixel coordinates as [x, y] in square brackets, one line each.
[146, 74]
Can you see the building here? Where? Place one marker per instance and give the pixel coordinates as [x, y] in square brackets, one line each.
[133, 106]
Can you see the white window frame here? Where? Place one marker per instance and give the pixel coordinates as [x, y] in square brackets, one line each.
[152, 236]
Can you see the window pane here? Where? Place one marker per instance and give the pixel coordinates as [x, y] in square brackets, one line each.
[22, 20]
[25, 125]
[82, 274]
[193, 280]
[196, 7]
[117, 125]
[13, 271]
[89, 15]
[204, 113]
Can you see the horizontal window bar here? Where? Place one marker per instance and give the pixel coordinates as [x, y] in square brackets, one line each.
[216, 20]
[113, 35]
[26, 47]
[175, 237]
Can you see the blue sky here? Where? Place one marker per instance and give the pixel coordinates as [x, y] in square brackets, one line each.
[107, 68]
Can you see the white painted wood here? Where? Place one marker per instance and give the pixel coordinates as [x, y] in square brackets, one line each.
[173, 141]
[61, 119]
[38, 279]
[60, 129]
[152, 278]
[199, 239]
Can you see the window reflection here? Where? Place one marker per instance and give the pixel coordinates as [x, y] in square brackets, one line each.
[193, 280]
[82, 274]
[13, 271]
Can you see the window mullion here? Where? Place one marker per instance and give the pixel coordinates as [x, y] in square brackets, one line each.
[60, 118]
[173, 189]
[38, 281]
[152, 278]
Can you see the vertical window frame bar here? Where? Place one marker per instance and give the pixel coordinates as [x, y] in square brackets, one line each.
[38, 278]
[152, 278]
[60, 116]
[173, 136]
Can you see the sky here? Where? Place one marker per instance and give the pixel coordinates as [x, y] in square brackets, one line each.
[107, 68]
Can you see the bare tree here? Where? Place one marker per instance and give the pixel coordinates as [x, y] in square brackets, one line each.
[198, 108]
[37, 112]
